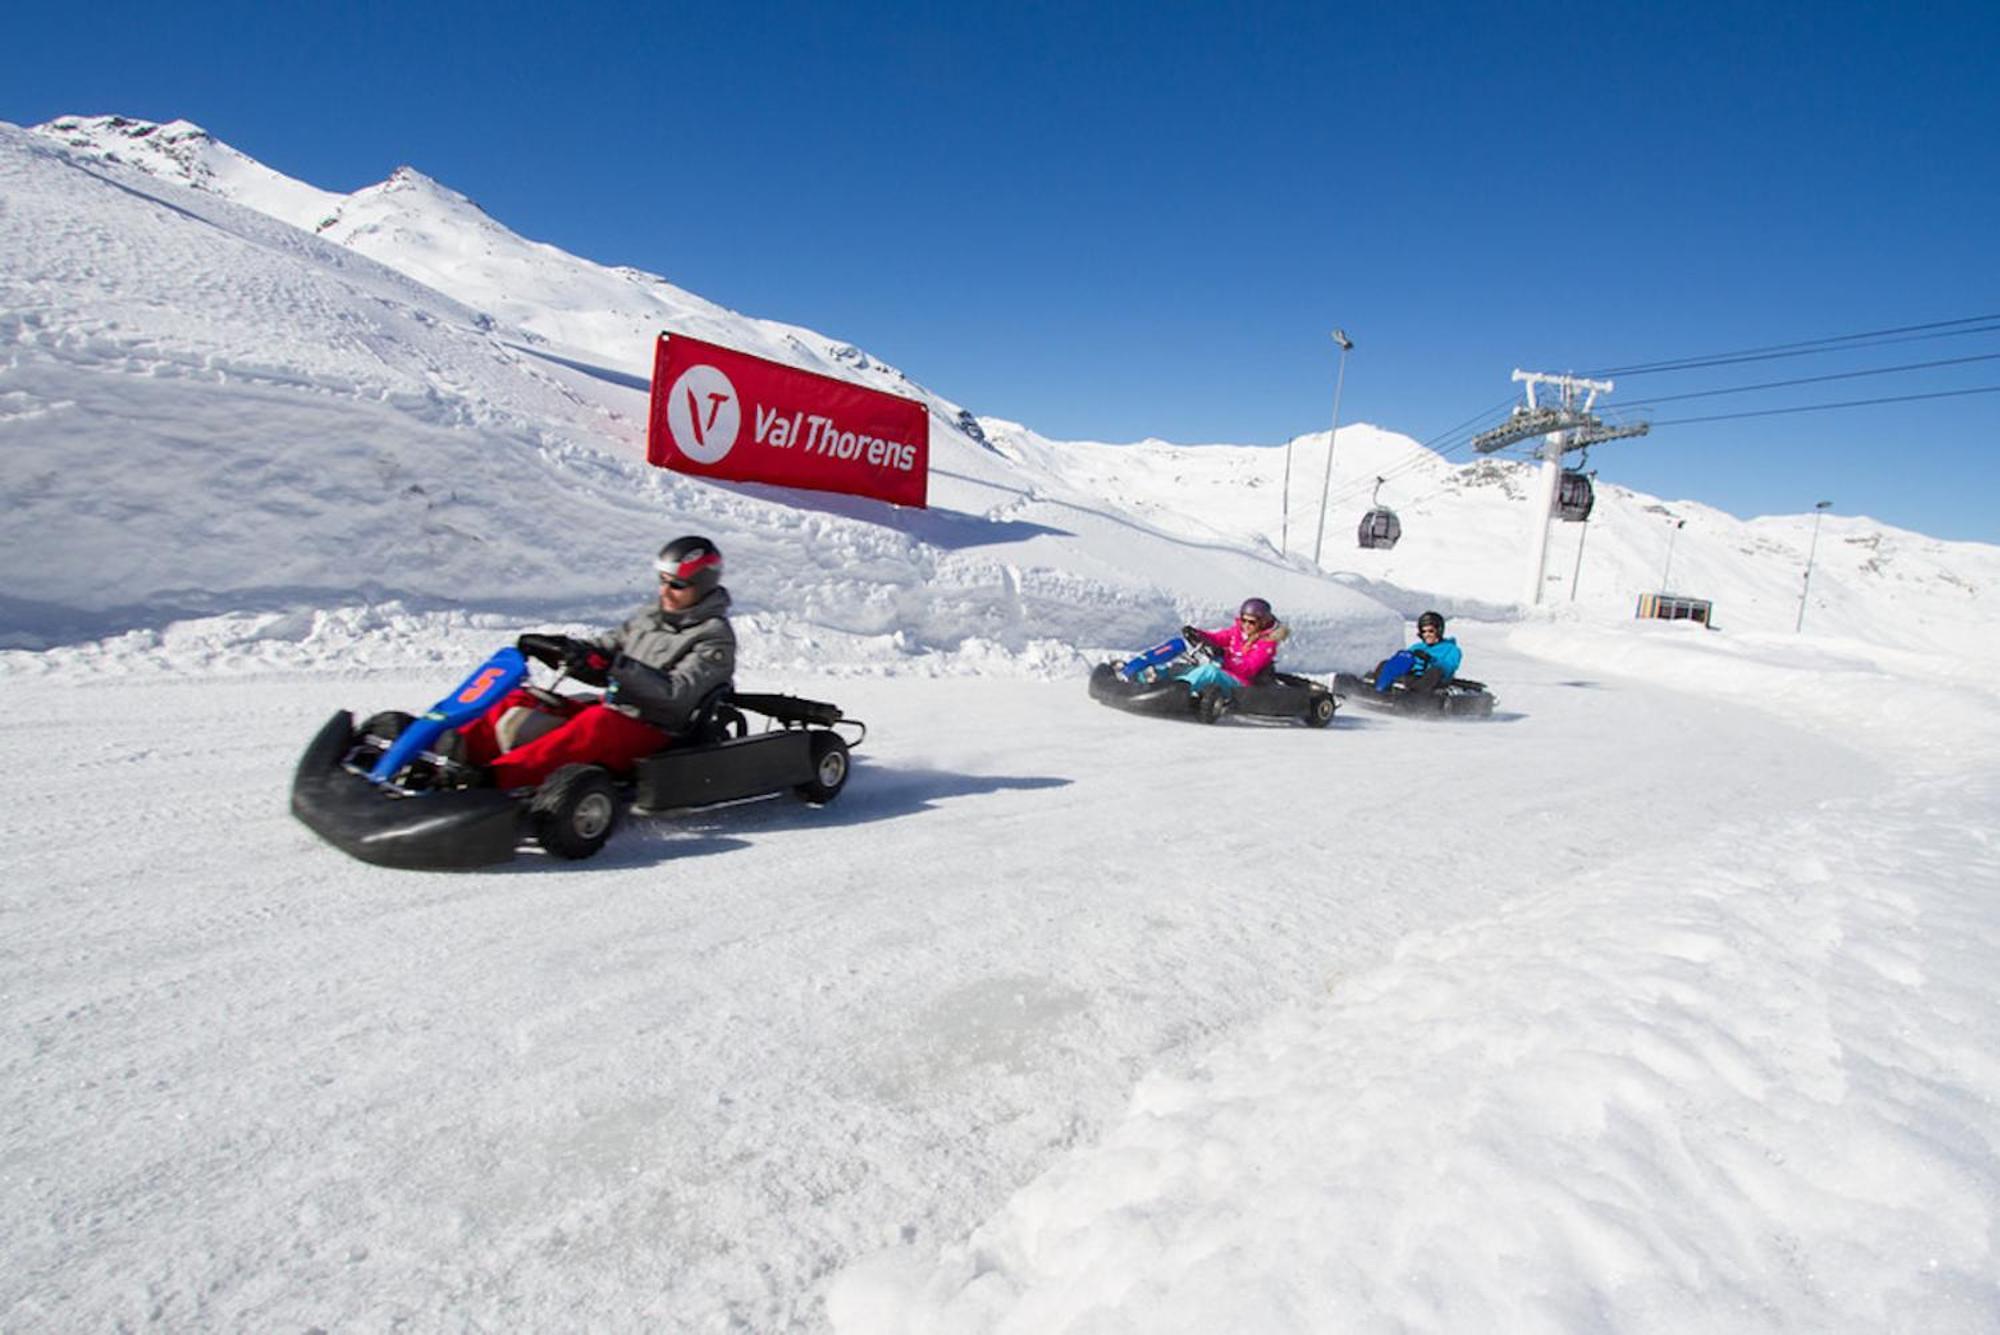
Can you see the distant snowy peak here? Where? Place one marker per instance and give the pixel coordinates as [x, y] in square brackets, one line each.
[178, 150]
[183, 152]
[407, 179]
[409, 191]
[602, 315]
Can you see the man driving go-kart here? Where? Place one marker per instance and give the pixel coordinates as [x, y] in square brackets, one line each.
[656, 668]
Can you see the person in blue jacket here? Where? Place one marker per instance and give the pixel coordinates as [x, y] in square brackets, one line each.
[1426, 665]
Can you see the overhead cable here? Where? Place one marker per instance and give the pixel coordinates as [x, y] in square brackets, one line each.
[1985, 324]
[1821, 407]
[1811, 379]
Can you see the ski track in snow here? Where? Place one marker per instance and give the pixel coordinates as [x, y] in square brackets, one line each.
[1744, 1085]
[687, 1082]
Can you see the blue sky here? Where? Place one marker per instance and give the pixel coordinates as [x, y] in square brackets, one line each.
[1116, 221]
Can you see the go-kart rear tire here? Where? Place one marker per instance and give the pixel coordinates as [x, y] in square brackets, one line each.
[830, 769]
[574, 811]
[1319, 711]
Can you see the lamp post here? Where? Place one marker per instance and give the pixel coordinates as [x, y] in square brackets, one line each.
[1285, 504]
[1326, 482]
[1806, 584]
[1667, 570]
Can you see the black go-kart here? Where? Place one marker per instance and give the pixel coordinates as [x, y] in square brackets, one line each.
[393, 791]
[1147, 683]
[1460, 697]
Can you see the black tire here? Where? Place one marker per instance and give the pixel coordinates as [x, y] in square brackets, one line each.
[574, 811]
[830, 769]
[1208, 706]
[1469, 704]
[387, 725]
[1319, 710]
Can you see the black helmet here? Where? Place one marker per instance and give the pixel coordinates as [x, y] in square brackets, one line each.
[1434, 620]
[1256, 607]
[690, 561]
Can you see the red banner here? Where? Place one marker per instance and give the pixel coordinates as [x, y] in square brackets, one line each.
[726, 414]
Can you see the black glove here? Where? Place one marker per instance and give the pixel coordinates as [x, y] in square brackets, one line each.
[1193, 636]
[1423, 659]
[550, 649]
[575, 657]
[586, 664]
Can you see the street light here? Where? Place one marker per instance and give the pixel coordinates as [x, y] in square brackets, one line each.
[1326, 482]
[1285, 505]
[1667, 570]
[1818, 510]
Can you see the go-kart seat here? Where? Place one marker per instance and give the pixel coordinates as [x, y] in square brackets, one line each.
[713, 719]
[523, 724]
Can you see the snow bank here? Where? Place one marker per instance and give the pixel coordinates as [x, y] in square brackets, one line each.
[1933, 712]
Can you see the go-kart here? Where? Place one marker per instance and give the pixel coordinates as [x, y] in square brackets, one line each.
[393, 791]
[1148, 683]
[1388, 688]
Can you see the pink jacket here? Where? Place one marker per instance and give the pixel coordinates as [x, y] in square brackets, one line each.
[1245, 655]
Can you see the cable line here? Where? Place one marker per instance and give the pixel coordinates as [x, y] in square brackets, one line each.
[1818, 407]
[1811, 380]
[1839, 342]
[1473, 420]
[1420, 461]
[1457, 438]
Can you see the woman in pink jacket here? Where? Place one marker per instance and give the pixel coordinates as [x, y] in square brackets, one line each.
[1248, 645]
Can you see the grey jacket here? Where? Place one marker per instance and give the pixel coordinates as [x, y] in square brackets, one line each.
[664, 663]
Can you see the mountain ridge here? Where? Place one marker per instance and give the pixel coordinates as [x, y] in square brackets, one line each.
[574, 337]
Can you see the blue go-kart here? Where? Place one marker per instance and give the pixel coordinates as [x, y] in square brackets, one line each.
[1388, 688]
[393, 790]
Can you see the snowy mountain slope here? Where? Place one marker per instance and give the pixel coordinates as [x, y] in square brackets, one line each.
[1465, 527]
[562, 306]
[339, 432]
[184, 152]
[590, 328]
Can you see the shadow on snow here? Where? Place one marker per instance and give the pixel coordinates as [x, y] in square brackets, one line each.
[875, 793]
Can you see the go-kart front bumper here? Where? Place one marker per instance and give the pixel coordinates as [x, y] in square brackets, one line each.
[447, 831]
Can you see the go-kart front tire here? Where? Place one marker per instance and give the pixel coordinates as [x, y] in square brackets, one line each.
[830, 768]
[574, 811]
[386, 726]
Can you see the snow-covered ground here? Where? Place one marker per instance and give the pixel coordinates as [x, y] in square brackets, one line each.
[1663, 1001]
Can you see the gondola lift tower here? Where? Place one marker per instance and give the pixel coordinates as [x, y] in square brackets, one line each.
[1565, 424]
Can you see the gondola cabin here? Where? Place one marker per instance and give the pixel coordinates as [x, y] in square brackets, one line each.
[1574, 496]
[1380, 528]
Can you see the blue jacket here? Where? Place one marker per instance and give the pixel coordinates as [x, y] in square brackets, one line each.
[1443, 654]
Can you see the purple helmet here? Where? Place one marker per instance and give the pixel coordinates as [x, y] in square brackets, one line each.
[1257, 608]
